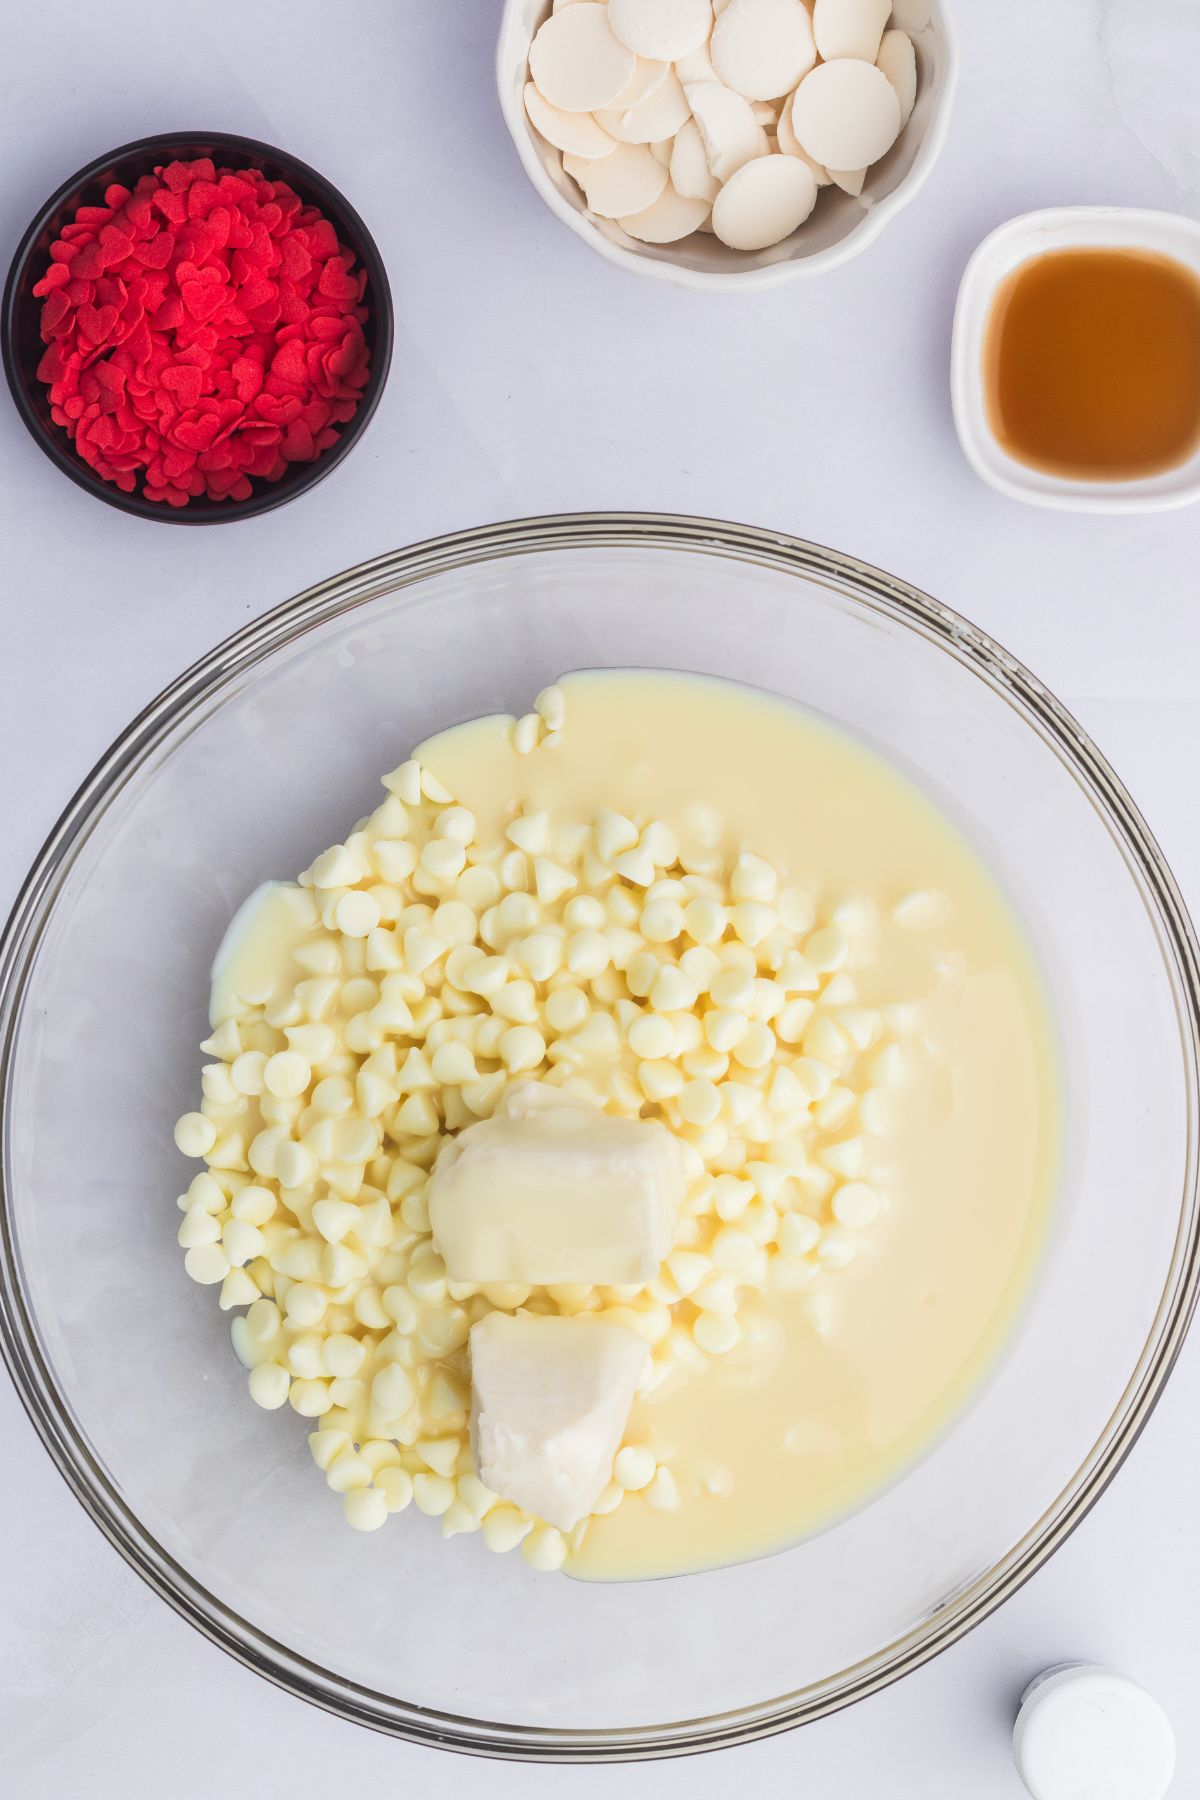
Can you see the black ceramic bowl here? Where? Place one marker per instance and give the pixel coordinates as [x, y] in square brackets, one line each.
[22, 347]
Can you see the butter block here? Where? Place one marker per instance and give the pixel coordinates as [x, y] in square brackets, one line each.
[551, 1397]
[551, 1189]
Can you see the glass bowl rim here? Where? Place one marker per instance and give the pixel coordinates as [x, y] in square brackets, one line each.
[879, 593]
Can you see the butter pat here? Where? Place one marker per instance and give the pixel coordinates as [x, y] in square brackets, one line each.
[550, 1189]
[551, 1397]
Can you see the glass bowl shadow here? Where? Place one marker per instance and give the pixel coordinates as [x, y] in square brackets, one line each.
[257, 757]
[22, 348]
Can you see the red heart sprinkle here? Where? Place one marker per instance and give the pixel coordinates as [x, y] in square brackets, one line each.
[114, 246]
[171, 205]
[97, 322]
[184, 381]
[56, 276]
[155, 252]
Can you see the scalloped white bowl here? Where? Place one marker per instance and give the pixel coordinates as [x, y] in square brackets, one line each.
[841, 226]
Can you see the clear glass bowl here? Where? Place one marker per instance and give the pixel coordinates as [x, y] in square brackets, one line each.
[257, 757]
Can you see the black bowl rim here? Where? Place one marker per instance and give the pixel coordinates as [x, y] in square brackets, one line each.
[265, 497]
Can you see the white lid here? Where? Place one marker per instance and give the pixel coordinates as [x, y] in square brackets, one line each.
[1084, 1733]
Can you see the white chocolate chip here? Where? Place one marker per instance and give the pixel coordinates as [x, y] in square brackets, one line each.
[856, 1204]
[545, 1549]
[195, 1135]
[576, 61]
[207, 1264]
[715, 1334]
[365, 1508]
[663, 1493]
[357, 914]
[505, 1527]
[837, 1247]
[634, 1468]
[396, 1487]
[922, 911]
[551, 703]
[269, 1385]
[827, 949]
[286, 1074]
[637, 865]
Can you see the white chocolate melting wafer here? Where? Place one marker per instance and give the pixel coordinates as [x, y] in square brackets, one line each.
[577, 63]
[659, 116]
[671, 217]
[625, 182]
[846, 114]
[696, 66]
[764, 202]
[577, 132]
[850, 27]
[690, 172]
[762, 48]
[646, 77]
[788, 143]
[663, 29]
[849, 180]
[898, 61]
[728, 129]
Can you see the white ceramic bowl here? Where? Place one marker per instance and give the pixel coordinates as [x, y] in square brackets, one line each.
[1030, 235]
[841, 226]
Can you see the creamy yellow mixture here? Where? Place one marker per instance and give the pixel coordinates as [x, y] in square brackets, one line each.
[834, 1386]
[848, 1384]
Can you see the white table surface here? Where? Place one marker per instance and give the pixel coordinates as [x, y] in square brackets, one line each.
[530, 377]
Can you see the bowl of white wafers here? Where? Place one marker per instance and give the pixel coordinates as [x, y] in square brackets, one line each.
[726, 143]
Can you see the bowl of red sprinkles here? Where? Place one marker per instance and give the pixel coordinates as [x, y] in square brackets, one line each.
[197, 328]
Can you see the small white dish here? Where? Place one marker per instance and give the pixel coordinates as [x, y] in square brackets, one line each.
[1010, 245]
[842, 224]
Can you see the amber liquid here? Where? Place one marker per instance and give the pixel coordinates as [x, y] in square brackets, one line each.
[1091, 364]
